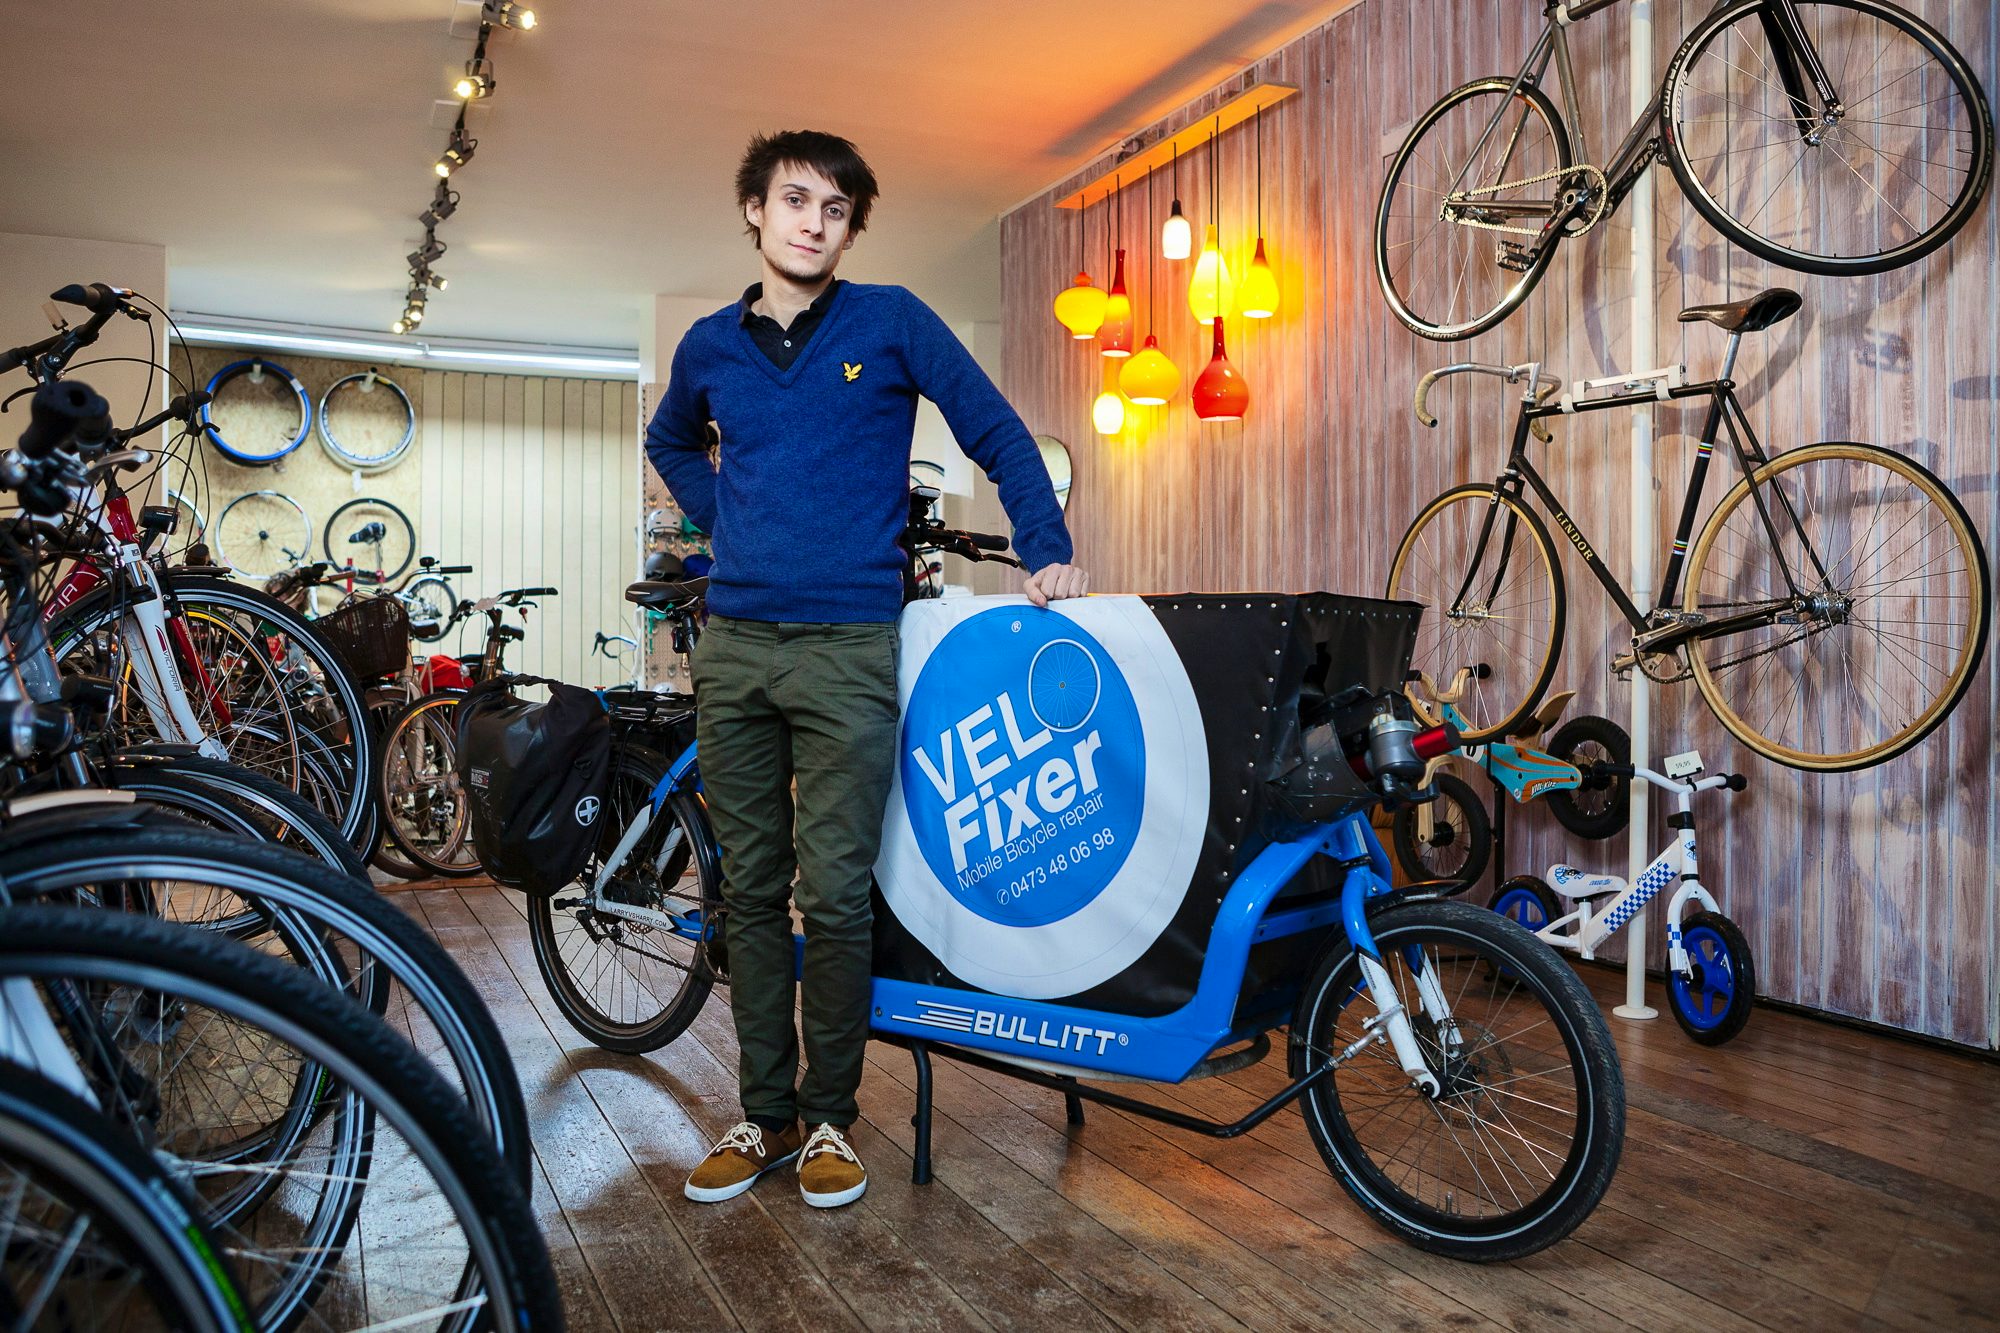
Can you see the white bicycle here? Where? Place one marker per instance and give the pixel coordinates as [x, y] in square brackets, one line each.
[1711, 979]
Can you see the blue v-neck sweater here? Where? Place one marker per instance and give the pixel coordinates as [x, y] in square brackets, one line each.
[813, 489]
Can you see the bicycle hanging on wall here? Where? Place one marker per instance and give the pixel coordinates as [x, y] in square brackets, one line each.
[1840, 137]
[1835, 603]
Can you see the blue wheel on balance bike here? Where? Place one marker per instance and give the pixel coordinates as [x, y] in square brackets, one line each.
[1712, 1001]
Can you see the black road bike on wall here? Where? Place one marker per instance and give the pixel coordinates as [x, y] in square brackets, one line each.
[1831, 610]
[1840, 137]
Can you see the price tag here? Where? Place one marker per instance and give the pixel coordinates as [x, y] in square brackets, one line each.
[1681, 767]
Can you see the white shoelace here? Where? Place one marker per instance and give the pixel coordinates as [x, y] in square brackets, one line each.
[745, 1137]
[827, 1139]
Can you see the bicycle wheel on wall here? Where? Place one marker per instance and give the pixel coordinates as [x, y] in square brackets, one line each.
[259, 411]
[375, 535]
[1484, 568]
[1464, 176]
[262, 533]
[366, 421]
[1880, 180]
[1879, 600]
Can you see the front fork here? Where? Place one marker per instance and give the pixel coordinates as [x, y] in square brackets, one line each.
[1368, 877]
[144, 632]
[1690, 891]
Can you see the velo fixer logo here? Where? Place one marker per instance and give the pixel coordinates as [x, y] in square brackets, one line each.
[1024, 767]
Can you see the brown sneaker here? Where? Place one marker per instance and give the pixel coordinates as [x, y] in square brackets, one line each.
[737, 1159]
[829, 1172]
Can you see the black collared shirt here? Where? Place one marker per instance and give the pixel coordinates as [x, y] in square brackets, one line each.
[781, 344]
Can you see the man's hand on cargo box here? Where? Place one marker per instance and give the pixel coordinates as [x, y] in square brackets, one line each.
[1053, 582]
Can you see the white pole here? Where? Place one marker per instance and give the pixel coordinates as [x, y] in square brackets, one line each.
[1639, 206]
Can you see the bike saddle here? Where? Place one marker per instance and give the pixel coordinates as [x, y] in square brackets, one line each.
[1774, 305]
[658, 596]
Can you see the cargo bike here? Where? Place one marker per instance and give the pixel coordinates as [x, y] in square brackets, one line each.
[1129, 839]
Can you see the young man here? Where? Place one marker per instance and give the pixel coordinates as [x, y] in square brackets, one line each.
[814, 384]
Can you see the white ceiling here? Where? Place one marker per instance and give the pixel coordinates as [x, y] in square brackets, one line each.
[281, 149]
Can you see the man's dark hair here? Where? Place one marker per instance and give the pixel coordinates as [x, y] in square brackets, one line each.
[830, 155]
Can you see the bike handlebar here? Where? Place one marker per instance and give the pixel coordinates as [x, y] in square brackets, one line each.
[63, 411]
[101, 299]
[449, 569]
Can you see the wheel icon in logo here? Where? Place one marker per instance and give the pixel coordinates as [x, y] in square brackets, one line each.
[1063, 685]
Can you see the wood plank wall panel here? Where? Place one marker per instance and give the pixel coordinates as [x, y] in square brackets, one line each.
[532, 481]
[1868, 894]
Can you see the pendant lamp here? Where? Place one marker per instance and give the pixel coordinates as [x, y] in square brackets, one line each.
[1080, 306]
[1211, 291]
[1107, 414]
[1114, 335]
[1176, 237]
[1220, 394]
[1150, 378]
[1257, 298]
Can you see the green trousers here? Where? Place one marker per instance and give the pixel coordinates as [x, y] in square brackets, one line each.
[815, 704]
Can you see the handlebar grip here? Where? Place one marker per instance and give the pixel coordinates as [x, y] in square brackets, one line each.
[1423, 390]
[65, 410]
[1735, 782]
[97, 298]
[536, 592]
[449, 569]
[986, 541]
[1602, 770]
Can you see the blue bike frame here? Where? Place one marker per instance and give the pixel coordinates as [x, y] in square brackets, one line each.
[1162, 1049]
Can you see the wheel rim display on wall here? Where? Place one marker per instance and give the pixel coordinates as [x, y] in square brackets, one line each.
[363, 427]
[374, 535]
[262, 533]
[249, 417]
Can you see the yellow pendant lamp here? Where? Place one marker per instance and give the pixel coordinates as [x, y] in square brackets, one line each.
[1150, 377]
[1080, 306]
[1258, 297]
[1176, 236]
[1211, 291]
[1107, 414]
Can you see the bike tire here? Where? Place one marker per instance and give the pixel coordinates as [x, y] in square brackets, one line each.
[432, 593]
[1498, 954]
[1460, 842]
[264, 452]
[233, 554]
[401, 1094]
[1434, 560]
[351, 454]
[1408, 159]
[139, 1225]
[558, 921]
[1713, 1002]
[436, 716]
[254, 806]
[394, 966]
[1737, 38]
[400, 537]
[1592, 811]
[1946, 594]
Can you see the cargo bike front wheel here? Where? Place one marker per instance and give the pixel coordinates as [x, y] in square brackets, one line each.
[1516, 1133]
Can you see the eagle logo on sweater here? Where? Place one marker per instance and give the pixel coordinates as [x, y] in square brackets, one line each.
[853, 371]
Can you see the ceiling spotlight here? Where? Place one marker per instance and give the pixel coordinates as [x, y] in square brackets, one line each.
[477, 81]
[435, 279]
[456, 156]
[443, 204]
[399, 326]
[509, 15]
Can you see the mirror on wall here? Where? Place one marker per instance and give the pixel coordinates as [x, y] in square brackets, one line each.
[1055, 457]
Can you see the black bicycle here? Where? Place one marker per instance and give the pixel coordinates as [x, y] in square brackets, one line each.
[1829, 136]
[1831, 610]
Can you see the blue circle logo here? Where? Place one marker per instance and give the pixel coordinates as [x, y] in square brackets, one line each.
[1023, 766]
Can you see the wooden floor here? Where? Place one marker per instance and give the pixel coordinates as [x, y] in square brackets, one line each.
[1807, 1176]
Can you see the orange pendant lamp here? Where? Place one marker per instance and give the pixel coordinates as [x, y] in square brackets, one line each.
[1258, 297]
[1211, 291]
[1220, 394]
[1114, 335]
[1150, 378]
[1080, 306]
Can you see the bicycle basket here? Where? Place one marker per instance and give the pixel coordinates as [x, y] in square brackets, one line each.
[372, 636]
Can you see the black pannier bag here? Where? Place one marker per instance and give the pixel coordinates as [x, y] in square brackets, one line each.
[534, 776]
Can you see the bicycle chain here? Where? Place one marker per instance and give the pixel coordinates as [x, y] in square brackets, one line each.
[1600, 190]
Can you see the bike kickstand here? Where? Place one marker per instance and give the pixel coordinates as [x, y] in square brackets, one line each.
[1072, 1104]
[920, 1156]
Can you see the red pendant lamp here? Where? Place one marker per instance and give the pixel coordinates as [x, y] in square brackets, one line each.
[1220, 394]
[1114, 335]
[1150, 377]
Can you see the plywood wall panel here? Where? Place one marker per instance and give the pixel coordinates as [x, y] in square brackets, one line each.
[1870, 894]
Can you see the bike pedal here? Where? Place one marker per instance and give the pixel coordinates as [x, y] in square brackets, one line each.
[1515, 257]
